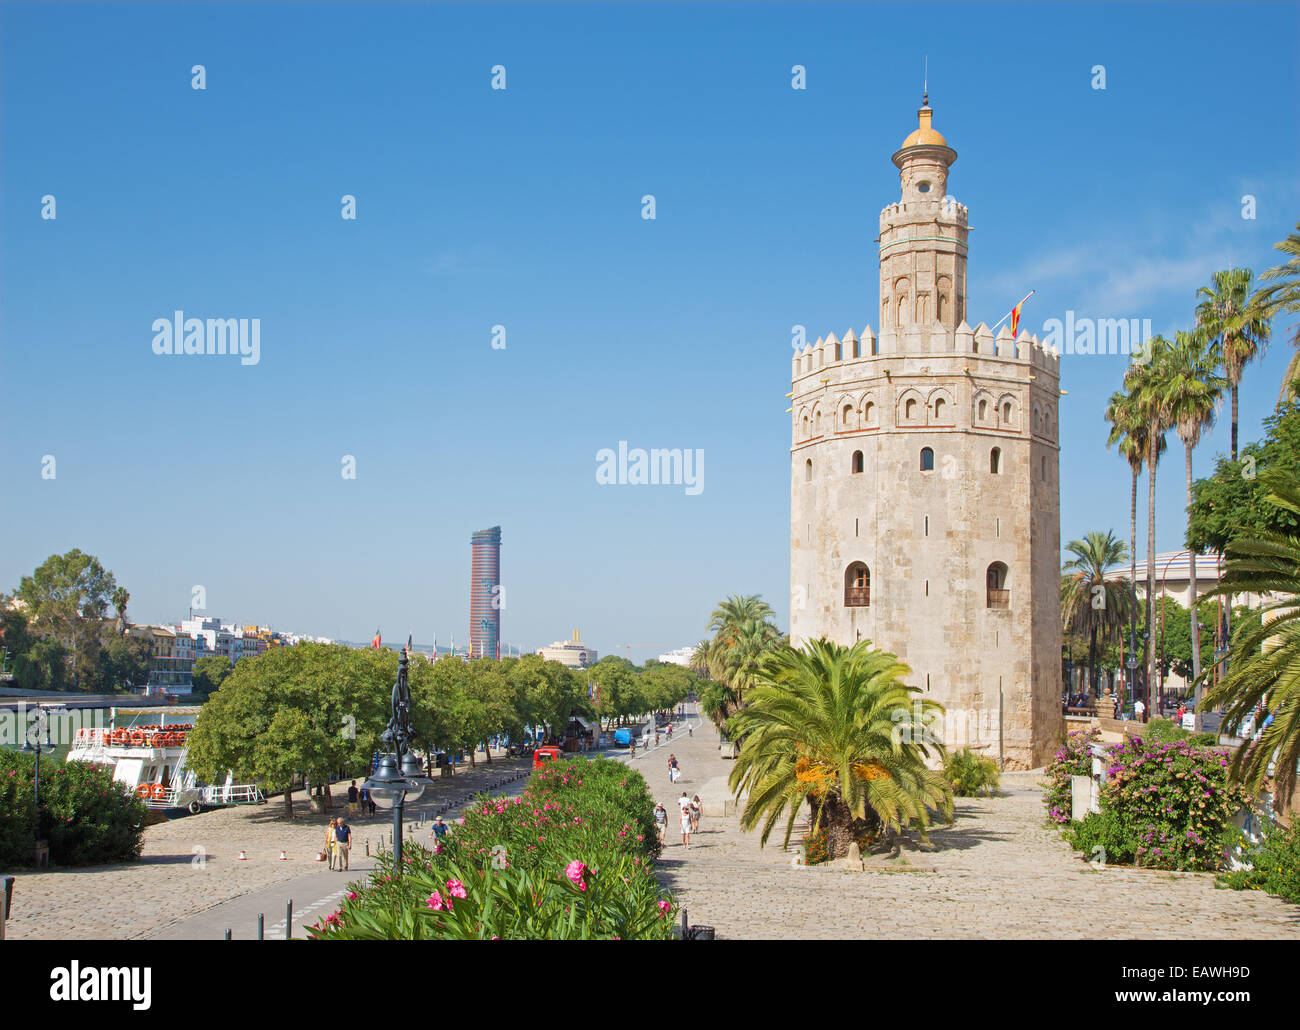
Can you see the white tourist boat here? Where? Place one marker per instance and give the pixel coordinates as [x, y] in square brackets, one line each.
[149, 757]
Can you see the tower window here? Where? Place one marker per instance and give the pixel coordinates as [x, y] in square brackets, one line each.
[995, 460]
[869, 412]
[983, 410]
[1006, 413]
[927, 459]
[938, 409]
[857, 462]
[1043, 465]
[807, 471]
[909, 409]
[847, 414]
[998, 595]
[857, 586]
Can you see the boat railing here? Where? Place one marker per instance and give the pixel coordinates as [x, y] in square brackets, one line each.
[233, 794]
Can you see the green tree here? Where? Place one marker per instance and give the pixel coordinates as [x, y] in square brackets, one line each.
[1264, 663]
[1193, 390]
[1282, 297]
[210, 672]
[1229, 319]
[1145, 383]
[837, 728]
[67, 599]
[1092, 602]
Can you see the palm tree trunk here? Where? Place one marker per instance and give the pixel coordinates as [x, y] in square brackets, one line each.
[1233, 389]
[1092, 661]
[1132, 579]
[1191, 577]
[1152, 453]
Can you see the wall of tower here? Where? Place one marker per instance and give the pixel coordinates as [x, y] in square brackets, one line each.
[929, 537]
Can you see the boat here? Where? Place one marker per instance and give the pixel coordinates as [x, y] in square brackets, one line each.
[150, 759]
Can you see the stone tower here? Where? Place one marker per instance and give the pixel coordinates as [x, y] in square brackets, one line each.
[924, 484]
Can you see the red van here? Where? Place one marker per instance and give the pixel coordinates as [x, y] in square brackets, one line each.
[546, 754]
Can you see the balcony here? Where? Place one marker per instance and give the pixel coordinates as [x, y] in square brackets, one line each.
[857, 597]
[999, 599]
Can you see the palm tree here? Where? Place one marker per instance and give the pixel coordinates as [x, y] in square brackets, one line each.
[1229, 319]
[735, 611]
[1265, 665]
[700, 657]
[1283, 297]
[837, 727]
[1129, 432]
[1093, 603]
[1144, 381]
[1193, 392]
[744, 658]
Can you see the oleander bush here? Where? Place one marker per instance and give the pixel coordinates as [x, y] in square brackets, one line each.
[970, 774]
[1073, 758]
[571, 858]
[1275, 865]
[1106, 830]
[87, 817]
[1175, 801]
[17, 816]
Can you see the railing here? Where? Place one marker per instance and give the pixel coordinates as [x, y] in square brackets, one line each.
[999, 598]
[235, 794]
[857, 597]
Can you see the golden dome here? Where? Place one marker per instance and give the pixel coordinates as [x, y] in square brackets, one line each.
[924, 136]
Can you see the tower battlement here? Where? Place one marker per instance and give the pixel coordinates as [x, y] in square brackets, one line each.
[946, 207]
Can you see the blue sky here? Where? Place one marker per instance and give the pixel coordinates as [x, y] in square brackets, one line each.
[523, 208]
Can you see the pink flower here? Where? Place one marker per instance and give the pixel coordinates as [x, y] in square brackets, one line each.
[575, 870]
[351, 896]
[437, 902]
[664, 909]
[456, 888]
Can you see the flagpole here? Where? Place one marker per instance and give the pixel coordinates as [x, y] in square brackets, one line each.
[1013, 308]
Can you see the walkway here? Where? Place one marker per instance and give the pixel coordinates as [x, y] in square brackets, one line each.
[999, 872]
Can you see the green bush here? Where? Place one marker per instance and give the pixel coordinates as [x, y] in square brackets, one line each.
[1105, 830]
[1162, 731]
[17, 816]
[1275, 865]
[970, 774]
[86, 815]
[1073, 758]
[570, 858]
[1175, 800]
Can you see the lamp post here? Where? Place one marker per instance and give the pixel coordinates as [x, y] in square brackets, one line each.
[399, 774]
[40, 724]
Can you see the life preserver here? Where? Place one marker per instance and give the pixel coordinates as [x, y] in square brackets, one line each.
[118, 737]
[137, 737]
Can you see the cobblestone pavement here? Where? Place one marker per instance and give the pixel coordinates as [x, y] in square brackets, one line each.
[191, 865]
[998, 873]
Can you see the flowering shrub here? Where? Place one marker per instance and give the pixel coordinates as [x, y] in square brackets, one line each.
[87, 817]
[1175, 801]
[570, 858]
[1074, 758]
[1275, 865]
[970, 774]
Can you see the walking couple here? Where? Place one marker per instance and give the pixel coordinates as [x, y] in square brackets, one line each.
[338, 843]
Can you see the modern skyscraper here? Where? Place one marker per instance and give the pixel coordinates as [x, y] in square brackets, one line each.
[485, 593]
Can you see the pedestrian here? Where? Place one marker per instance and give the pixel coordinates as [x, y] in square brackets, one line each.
[685, 803]
[439, 829]
[656, 736]
[661, 821]
[634, 749]
[354, 798]
[343, 842]
[673, 770]
[329, 842]
[1140, 711]
[696, 810]
[371, 807]
[670, 731]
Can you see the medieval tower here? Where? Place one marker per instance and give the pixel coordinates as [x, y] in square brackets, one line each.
[924, 484]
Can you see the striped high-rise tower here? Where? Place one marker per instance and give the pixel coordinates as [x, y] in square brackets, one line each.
[484, 593]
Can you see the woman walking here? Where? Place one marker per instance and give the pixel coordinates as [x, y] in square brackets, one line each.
[330, 842]
[695, 809]
[686, 823]
[661, 821]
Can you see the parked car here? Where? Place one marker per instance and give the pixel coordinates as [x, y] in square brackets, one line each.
[546, 754]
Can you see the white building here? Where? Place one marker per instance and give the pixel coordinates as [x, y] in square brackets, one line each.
[682, 657]
[573, 653]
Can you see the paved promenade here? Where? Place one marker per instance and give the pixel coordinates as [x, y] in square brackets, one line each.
[189, 882]
[1000, 872]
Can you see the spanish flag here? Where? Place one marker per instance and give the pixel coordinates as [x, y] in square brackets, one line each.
[1015, 319]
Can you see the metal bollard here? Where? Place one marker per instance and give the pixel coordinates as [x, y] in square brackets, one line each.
[288, 920]
[685, 929]
[227, 933]
[261, 923]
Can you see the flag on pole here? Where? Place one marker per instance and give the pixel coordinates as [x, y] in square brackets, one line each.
[409, 643]
[1015, 319]
[377, 641]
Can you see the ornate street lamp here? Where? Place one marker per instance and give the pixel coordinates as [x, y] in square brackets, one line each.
[399, 775]
[39, 724]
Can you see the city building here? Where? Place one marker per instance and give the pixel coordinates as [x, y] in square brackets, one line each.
[572, 653]
[682, 656]
[485, 593]
[924, 489]
[171, 660]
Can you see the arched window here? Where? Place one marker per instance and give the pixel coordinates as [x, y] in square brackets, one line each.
[846, 414]
[875, 346]
[995, 460]
[869, 412]
[1043, 467]
[983, 410]
[927, 459]
[1006, 413]
[938, 409]
[902, 312]
[807, 471]
[857, 462]
[806, 428]
[909, 409]
[857, 586]
[999, 596]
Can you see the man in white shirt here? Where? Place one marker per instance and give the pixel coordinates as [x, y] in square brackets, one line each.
[1139, 710]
